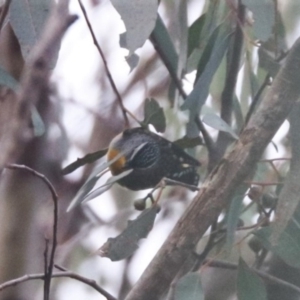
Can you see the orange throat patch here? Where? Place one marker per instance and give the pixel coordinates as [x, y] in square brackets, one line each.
[116, 167]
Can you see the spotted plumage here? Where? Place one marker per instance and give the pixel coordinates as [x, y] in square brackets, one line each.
[152, 158]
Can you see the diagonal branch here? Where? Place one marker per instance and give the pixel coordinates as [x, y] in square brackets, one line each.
[219, 187]
[109, 76]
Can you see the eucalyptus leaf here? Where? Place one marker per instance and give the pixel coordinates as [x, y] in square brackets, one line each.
[195, 33]
[105, 187]
[233, 215]
[199, 94]
[264, 17]
[37, 121]
[7, 80]
[89, 158]
[249, 284]
[216, 122]
[126, 243]
[189, 287]
[98, 171]
[154, 115]
[162, 41]
[139, 18]
[27, 19]
[287, 245]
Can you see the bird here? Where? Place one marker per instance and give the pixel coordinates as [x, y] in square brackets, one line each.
[151, 158]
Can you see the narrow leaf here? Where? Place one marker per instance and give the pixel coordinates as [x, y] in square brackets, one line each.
[27, 19]
[37, 121]
[105, 187]
[194, 34]
[7, 80]
[268, 63]
[234, 215]
[91, 181]
[187, 142]
[216, 122]
[162, 42]
[249, 285]
[88, 159]
[189, 288]
[154, 115]
[126, 243]
[198, 96]
[287, 245]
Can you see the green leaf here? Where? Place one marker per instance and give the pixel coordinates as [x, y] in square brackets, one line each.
[264, 17]
[268, 63]
[194, 34]
[37, 121]
[106, 186]
[154, 115]
[187, 142]
[7, 80]
[27, 19]
[162, 42]
[249, 285]
[287, 245]
[216, 122]
[189, 287]
[233, 215]
[91, 181]
[237, 110]
[208, 50]
[198, 96]
[139, 18]
[132, 61]
[126, 243]
[88, 159]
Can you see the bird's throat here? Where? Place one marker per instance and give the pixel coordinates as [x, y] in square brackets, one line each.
[116, 167]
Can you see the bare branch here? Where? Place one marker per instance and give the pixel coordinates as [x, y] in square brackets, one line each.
[92, 283]
[109, 76]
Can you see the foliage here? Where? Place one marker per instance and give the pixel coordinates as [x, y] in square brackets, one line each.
[201, 77]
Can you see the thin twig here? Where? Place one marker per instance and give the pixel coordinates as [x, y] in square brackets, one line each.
[109, 76]
[226, 265]
[263, 183]
[47, 279]
[92, 283]
[55, 212]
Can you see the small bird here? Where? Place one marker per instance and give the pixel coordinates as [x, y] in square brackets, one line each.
[151, 158]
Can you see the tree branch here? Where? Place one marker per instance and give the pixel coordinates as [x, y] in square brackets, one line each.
[48, 267]
[92, 283]
[219, 187]
[109, 76]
